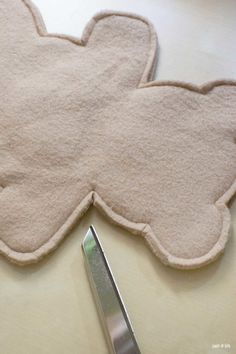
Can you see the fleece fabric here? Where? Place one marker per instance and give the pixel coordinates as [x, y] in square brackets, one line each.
[81, 124]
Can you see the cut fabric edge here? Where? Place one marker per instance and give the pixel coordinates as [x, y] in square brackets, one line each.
[150, 67]
[142, 229]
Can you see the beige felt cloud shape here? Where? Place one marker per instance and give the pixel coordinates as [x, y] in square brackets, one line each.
[81, 124]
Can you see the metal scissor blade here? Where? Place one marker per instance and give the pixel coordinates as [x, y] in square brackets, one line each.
[114, 317]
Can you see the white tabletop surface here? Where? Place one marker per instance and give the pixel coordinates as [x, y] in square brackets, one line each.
[48, 308]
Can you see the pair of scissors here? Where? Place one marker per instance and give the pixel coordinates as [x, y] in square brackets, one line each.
[114, 317]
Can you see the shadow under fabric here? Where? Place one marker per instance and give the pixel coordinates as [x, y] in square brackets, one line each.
[82, 124]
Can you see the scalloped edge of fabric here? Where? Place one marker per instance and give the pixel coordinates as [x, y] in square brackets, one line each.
[94, 199]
